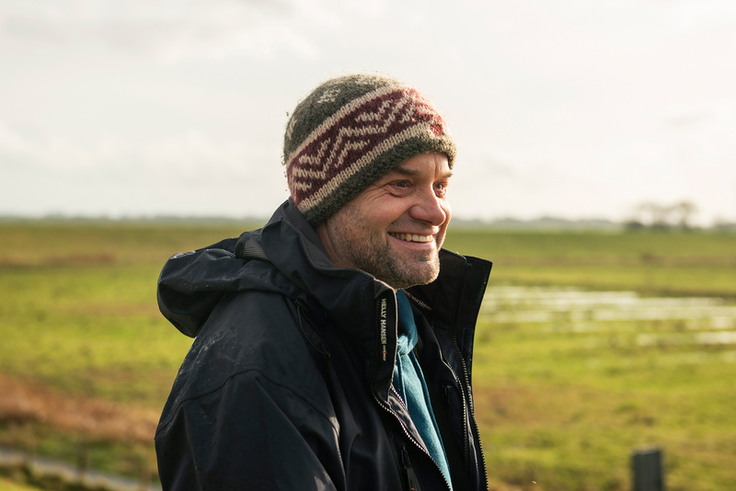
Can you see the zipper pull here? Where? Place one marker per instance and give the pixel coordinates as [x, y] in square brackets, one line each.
[446, 393]
[411, 476]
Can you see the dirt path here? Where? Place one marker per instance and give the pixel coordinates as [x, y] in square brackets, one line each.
[22, 402]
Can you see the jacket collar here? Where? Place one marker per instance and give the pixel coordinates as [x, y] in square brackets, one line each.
[366, 307]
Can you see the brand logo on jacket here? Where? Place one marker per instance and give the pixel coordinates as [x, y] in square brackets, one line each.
[384, 337]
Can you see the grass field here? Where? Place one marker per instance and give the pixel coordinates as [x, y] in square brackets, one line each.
[8, 485]
[658, 263]
[86, 360]
[564, 399]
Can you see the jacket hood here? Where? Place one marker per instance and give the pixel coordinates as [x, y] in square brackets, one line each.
[191, 284]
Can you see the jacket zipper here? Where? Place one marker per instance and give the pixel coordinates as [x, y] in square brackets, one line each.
[465, 397]
[447, 389]
[465, 387]
[381, 404]
[411, 439]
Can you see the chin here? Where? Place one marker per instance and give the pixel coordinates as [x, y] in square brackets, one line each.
[427, 274]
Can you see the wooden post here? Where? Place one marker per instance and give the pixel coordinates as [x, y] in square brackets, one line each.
[646, 465]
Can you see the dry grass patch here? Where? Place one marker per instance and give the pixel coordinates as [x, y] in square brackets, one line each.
[24, 402]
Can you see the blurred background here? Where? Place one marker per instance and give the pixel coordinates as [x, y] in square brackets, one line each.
[566, 108]
[596, 168]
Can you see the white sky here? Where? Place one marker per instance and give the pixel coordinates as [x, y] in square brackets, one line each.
[571, 108]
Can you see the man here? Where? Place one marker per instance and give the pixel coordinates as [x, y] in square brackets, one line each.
[333, 346]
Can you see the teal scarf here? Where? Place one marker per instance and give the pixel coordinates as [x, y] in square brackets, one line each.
[409, 383]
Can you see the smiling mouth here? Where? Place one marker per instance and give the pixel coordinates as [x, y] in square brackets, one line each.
[413, 237]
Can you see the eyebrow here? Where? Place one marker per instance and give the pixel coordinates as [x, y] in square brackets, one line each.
[411, 172]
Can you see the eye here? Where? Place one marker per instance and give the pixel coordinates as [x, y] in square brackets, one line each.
[440, 189]
[399, 188]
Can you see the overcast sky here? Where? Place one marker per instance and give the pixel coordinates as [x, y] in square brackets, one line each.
[570, 108]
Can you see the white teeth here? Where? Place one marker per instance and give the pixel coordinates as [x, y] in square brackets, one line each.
[413, 238]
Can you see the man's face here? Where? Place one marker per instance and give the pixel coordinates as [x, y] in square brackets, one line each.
[394, 228]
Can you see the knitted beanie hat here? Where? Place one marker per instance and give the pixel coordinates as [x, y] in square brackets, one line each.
[350, 131]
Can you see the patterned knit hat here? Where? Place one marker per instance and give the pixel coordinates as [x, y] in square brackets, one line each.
[352, 130]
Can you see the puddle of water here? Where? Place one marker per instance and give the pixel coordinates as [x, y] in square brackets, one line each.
[539, 304]
[87, 479]
[710, 320]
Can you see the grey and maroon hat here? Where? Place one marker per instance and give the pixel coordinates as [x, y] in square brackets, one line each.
[350, 131]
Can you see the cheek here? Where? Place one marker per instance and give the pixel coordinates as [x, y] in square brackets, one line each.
[383, 219]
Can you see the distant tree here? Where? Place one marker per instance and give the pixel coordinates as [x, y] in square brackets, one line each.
[633, 224]
[683, 211]
[722, 225]
[655, 216]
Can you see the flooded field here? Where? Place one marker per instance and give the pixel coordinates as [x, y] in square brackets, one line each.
[654, 320]
[569, 381]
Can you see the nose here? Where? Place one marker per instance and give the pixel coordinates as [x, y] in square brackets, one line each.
[431, 208]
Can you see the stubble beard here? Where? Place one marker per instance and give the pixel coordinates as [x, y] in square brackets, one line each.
[376, 256]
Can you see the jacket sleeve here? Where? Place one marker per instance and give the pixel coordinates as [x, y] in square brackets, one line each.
[251, 434]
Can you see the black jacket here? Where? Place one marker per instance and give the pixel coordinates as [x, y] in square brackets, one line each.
[287, 385]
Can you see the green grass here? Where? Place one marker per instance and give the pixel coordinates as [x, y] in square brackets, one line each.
[565, 410]
[8, 485]
[89, 330]
[79, 316]
[80, 303]
[662, 263]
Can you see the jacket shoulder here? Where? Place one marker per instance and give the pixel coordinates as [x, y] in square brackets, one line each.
[249, 335]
